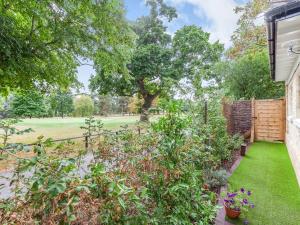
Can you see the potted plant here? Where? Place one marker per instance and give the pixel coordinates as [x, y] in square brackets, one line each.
[237, 202]
[243, 149]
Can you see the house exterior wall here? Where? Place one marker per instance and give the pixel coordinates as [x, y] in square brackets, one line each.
[293, 121]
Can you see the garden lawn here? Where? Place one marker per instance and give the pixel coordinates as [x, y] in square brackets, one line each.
[267, 171]
[57, 128]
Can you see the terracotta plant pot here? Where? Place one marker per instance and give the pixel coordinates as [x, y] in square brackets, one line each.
[243, 149]
[205, 187]
[231, 213]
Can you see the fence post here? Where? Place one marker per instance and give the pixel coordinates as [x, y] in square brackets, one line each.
[205, 112]
[39, 152]
[252, 120]
[86, 142]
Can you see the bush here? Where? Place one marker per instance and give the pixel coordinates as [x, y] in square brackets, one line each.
[152, 178]
[215, 179]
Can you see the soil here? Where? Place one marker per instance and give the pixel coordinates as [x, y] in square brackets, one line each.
[230, 166]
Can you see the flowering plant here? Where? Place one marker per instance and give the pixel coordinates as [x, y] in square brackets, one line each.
[238, 200]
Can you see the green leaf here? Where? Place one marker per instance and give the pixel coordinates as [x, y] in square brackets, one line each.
[121, 202]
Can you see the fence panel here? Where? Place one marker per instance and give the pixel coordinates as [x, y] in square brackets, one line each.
[269, 120]
[263, 119]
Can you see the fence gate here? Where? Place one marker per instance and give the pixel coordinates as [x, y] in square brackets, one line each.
[268, 120]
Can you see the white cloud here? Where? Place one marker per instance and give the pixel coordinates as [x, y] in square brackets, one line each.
[222, 21]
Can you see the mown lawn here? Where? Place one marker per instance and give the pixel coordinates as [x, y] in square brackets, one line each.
[268, 172]
[66, 127]
[58, 128]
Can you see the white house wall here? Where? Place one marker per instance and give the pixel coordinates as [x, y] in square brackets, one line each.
[293, 121]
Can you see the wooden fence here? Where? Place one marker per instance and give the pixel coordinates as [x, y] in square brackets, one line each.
[85, 138]
[261, 119]
[268, 120]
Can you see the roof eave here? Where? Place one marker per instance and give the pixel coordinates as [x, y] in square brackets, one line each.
[282, 12]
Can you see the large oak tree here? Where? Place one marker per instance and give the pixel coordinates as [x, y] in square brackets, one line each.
[159, 61]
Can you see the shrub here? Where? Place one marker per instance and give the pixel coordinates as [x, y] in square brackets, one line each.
[215, 178]
[155, 177]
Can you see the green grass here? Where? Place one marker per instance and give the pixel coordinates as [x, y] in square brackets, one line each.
[66, 127]
[268, 172]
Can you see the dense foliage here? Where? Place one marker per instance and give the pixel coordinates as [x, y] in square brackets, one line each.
[245, 73]
[249, 77]
[249, 36]
[153, 177]
[61, 103]
[169, 171]
[42, 42]
[159, 61]
[28, 104]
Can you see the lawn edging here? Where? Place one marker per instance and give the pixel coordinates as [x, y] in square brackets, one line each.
[221, 215]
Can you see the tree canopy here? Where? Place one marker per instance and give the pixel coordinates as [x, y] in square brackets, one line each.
[248, 36]
[84, 106]
[245, 72]
[61, 103]
[43, 42]
[28, 104]
[249, 77]
[158, 62]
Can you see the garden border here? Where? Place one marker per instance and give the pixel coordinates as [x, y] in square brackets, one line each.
[221, 215]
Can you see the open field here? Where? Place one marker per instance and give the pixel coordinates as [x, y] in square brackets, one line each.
[57, 128]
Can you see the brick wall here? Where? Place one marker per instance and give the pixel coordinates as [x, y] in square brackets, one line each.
[238, 115]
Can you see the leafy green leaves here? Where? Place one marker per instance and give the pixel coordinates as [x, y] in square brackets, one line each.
[42, 42]
[155, 177]
[158, 61]
[28, 104]
[249, 77]
[195, 55]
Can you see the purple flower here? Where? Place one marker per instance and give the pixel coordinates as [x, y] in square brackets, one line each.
[242, 190]
[246, 222]
[249, 193]
[226, 200]
[251, 206]
[245, 201]
[231, 195]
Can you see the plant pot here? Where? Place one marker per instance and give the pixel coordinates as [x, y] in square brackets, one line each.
[243, 149]
[231, 213]
[205, 187]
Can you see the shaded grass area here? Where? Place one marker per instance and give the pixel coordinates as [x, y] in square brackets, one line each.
[57, 128]
[268, 172]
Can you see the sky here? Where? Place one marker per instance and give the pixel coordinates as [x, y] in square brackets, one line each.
[214, 16]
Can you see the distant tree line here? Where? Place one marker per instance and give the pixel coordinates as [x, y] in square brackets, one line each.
[29, 103]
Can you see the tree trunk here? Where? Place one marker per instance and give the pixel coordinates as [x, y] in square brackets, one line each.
[148, 99]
